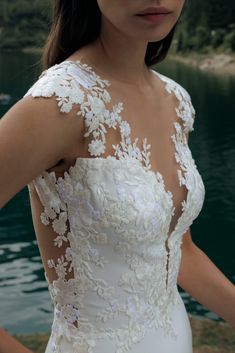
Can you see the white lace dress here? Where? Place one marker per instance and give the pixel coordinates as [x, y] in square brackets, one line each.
[116, 280]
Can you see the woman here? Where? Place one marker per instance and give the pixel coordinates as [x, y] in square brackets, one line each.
[112, 214]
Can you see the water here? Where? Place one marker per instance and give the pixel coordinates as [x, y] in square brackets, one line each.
[25, 303]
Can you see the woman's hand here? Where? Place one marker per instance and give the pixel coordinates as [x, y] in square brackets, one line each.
[8, 344]
[205, 282]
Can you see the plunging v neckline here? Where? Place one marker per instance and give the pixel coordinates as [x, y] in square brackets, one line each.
[104, 82]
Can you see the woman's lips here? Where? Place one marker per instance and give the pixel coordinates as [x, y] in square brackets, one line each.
[153, 17]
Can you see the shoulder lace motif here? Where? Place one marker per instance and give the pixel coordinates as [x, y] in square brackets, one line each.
[185, 110]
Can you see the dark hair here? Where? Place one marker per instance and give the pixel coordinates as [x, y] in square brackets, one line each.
[78, 22]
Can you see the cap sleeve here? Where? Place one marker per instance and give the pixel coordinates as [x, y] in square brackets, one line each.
[57, 81]
[185, 110]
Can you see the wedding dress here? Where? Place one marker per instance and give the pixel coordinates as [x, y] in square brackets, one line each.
[116, 265]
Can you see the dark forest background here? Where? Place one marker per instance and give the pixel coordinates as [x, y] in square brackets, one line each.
[205, 25]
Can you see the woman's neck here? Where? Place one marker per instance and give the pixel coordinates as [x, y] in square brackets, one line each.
[119, 57]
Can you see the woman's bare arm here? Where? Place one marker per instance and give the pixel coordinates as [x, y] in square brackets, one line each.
[200, 277]
[9, 344]
[34, 136]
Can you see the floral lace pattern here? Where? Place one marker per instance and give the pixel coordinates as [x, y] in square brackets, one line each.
[112, 216]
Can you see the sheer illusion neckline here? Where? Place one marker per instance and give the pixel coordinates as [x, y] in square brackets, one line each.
[88, 69]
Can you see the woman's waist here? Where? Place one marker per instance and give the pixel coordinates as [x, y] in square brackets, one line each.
[94, 312]
[112, 329]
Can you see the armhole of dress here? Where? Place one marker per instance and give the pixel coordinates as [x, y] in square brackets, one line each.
[62, 287]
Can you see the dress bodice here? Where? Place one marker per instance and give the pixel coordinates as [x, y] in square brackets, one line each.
[117, 268]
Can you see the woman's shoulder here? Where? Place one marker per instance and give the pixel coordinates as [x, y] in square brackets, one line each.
[172, 84]
[185, 109]
[63, 80]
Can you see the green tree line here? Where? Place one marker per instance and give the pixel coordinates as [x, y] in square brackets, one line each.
[24, 23]
[205, 25]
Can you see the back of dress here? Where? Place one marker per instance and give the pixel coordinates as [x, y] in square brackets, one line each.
[115, 261]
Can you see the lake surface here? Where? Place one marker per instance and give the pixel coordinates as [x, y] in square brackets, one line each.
[25, 303]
